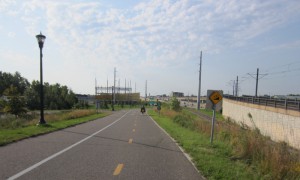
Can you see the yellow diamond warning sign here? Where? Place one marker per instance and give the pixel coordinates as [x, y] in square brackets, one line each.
[215, 97]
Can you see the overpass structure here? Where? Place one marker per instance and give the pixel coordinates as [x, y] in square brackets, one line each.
[281, 103]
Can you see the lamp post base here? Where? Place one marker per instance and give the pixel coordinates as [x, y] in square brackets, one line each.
[42, 122]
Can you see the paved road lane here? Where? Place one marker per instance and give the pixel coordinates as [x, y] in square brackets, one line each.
[131, 146]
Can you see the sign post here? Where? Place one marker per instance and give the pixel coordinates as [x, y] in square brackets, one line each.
[97, 105]
[213, 124]
[215, 98]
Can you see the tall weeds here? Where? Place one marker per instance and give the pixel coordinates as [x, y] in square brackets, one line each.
[272, 160]
[11, 122]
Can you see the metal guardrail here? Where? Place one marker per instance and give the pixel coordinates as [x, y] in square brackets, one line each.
[287, 104]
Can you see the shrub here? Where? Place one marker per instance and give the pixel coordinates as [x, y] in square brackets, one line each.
[10, 121]
[184, 120]
[175, 104]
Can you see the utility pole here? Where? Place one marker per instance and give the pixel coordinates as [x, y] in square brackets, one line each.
[130, 98]
[233, 87]
[95, 86]
[257, 78]
[256, 82]
[96, 101]
[128, 84]
[107, 86]
[125, 92]
[119, 86]
[146, 92]
[237, 86]
[199, 88]
[114, 89]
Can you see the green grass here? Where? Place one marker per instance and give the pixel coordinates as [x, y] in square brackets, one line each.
[213, 161]
[207, 112]
[12, 135]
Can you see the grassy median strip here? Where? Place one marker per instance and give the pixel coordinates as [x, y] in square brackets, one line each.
[213, 161]
[14, 134]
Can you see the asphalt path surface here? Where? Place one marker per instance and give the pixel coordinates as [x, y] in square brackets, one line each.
[124, 145]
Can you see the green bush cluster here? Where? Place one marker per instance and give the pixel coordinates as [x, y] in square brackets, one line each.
[185, 120]
[17, 95]
[175, 104]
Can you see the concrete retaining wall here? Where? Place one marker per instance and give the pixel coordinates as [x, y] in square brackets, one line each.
[279, 124]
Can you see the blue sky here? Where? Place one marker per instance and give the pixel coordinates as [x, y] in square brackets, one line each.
[158, 41]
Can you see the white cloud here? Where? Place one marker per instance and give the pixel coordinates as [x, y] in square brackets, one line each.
[11, 34]
[288, 45]
[153, 34]
[4, 4]
[12, 61]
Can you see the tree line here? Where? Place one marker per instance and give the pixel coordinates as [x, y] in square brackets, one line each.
[17, 95]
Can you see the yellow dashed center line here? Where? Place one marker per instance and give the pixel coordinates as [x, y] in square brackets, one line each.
[130, 141]
[118, 169]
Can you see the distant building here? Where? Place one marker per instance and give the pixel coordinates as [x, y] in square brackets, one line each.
[291, 97]
[177, 94]
[85, 98]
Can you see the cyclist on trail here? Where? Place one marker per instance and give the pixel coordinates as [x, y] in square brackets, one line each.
[143, 109]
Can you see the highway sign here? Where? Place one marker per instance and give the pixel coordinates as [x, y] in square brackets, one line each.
[215, 97]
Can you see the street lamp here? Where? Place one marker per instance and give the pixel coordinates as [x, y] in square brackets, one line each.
[41, 39]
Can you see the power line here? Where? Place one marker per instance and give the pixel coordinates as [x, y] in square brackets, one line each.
[285, 71]
[280, 71]
[283, 75]
[283, 65]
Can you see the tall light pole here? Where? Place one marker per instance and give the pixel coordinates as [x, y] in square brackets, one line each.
[41, 39]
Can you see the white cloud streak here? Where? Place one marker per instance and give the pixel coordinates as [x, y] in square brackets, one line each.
[153, 34]
[157, 29]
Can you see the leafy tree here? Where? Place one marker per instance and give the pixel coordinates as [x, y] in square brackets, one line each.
[2, 105]
[16, 80]
[32, 95]
[15, 104]
[175, 104]
[55, 96]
